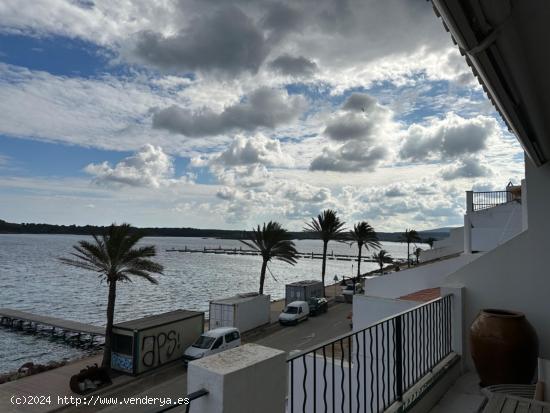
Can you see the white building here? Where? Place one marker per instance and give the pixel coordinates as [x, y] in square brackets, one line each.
[491, 219]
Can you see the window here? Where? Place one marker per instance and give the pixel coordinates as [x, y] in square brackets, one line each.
[217, 343]
[203, 342]
[231, 337]
[291, 310]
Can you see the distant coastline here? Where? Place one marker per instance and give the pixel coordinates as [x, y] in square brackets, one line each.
[30, 228]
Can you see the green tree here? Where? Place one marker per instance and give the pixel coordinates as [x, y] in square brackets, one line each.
[271, 241]
[430, 241]
[327, 226]
[115, 257]
[382, 257]
[410, 236]
[364, 236]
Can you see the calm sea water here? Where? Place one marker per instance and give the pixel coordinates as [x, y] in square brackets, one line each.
[34, 280]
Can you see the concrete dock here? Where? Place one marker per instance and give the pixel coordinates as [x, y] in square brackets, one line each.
[14, 318]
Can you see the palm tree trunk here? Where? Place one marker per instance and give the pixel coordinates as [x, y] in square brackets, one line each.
[408, 255]
[359, 262]
[381, 267]
[106, 362]
[262, 276]
[324, 267]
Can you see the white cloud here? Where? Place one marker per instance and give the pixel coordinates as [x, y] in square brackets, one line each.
[256, 149]
[470, 167]
[264, 107]
[149, 167]
[367, 130]
[448, 138]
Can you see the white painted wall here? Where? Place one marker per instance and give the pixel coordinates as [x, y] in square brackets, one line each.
[454, 244]
[369, 310]
[397, 284]
[494, 226]
[515, 275]
[245, 379]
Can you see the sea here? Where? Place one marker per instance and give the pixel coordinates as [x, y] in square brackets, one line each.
[33, 279]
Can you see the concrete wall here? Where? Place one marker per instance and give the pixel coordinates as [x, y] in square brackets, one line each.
[369, 310]
[448, 246]
[246, 379]
[515, 275]
[397, 284]
[494, 226]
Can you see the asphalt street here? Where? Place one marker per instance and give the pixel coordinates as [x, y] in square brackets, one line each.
[171, 381]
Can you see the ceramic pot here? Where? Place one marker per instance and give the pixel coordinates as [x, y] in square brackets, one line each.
[504, 347]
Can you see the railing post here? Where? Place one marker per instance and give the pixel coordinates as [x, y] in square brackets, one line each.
[469, 201]
[398, 359]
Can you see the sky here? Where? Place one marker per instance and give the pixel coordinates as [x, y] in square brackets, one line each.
[227, 114]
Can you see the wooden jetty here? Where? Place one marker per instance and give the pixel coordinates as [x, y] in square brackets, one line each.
[240, 251]
[71, 331]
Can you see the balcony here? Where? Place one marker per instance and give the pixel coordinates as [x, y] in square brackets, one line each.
[388, 365]
[491, 199]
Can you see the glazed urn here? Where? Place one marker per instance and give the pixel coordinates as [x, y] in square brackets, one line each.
[504, 347]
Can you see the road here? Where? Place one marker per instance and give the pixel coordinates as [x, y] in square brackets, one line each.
[171, 381]
[311, 332]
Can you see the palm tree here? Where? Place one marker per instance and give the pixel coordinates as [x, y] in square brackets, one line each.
[430, 241]
[363, 235]
[381, 258]
[410, 236]
[272, 241]
[327, 226]
[115, 257]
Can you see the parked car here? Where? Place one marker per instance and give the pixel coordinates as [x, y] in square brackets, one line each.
[350, 289]
[295, 312]
[212, 342]
[317, 305]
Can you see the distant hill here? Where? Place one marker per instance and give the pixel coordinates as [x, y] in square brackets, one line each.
[444, 230]
[28, 228]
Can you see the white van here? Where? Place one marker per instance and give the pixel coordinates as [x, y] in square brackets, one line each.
[212, 342]
[295, 312]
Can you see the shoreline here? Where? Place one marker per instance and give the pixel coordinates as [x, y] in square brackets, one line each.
[277, 306]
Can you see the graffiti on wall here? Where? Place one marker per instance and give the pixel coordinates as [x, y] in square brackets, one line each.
[122, 362]
[159, 348]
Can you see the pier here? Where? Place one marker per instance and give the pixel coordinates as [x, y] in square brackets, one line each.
[240, 251]
[71, 331]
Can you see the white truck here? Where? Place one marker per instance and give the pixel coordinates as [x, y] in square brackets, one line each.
[295, 312]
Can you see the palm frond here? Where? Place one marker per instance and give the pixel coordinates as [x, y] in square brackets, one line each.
[328, 226]
[363, 234]
[113, 255]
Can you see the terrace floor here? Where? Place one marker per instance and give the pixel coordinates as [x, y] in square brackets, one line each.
[463, 397]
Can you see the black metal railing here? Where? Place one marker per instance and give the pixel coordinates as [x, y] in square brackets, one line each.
[187, 403]
[485, 200]
[369, 370]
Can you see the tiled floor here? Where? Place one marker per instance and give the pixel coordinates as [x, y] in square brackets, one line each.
[463, 397]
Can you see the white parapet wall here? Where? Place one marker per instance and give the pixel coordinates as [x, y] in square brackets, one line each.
[369, 310]
[454, 244]
[494, 226]
[400, 283]
[246, 379]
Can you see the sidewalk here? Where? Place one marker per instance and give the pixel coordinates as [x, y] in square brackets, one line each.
[53, 383]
